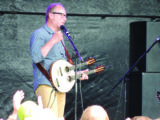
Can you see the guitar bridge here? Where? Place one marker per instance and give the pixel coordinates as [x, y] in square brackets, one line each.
[69, 78]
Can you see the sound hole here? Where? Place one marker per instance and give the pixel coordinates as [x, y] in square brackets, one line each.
[67, 69]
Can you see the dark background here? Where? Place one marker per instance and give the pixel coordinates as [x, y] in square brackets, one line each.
[104, 35]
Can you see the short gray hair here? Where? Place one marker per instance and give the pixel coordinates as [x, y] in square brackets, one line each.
[50, 8]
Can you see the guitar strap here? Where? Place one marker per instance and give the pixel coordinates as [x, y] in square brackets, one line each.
[44, 71]
[68, 56]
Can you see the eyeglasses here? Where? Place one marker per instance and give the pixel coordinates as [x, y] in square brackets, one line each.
[62, 14]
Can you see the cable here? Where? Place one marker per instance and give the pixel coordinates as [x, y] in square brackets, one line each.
[80, 89]
[120, 95]
[50, 97]
[54, 98]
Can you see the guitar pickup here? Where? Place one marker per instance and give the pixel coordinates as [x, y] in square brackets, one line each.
[60, 71]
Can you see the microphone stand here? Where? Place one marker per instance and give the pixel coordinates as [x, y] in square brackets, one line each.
[76, 54]
[76, 87]
[123, 78]
[71, 42]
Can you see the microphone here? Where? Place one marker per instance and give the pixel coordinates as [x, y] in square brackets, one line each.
[63, 28]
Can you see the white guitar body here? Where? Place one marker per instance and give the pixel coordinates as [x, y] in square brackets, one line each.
[61, 75]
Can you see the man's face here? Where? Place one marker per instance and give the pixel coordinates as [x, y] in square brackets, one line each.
[59, 16]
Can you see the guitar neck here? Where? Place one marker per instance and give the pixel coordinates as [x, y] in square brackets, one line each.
[78, 75]
[91, 72]
[78, 65]
[88, 62]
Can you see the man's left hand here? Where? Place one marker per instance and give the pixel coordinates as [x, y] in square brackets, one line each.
[84, 76]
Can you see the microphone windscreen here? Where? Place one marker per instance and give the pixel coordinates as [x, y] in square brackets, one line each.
[62, 27]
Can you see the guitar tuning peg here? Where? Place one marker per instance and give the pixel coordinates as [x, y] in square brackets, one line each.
[91, 57]
[108, 66]
[94, 57]
[90, 60]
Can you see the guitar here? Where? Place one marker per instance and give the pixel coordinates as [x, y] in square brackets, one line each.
[63, 75]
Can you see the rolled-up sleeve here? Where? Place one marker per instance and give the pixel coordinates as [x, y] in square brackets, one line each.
[36, 42]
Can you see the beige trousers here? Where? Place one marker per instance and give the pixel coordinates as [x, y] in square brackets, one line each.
[52, 99]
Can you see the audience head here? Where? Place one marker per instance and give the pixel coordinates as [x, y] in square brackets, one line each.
[94, 112]
[139, 118]
[29, 110]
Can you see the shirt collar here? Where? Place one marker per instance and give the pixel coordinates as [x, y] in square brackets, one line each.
[49, 30]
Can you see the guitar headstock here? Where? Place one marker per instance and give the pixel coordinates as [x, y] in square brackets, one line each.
[158, 96]
[91, 61]
[100, 68]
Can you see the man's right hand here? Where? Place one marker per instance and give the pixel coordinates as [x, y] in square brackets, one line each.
[58, 36]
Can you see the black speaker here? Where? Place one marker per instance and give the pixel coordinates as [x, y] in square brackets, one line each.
[150, 86]
[134, 94]
[142, 36]
[137, 45]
